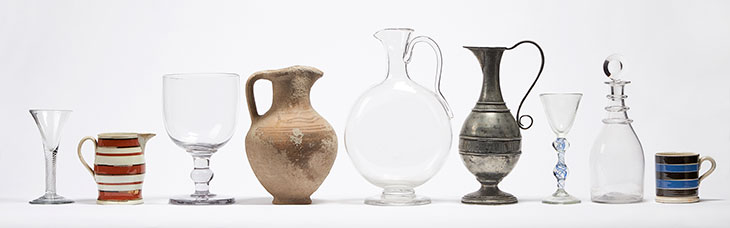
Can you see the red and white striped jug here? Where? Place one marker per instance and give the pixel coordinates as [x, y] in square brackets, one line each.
[119, 166]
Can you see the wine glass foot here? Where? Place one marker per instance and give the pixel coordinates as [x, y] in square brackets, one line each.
[210, 199]
[561, 197]
[51, 199]
[398, 197]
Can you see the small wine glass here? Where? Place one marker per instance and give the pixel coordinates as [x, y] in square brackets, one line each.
[49, 123]
[200, 112]
[560, 109]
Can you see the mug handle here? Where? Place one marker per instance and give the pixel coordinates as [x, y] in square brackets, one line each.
[712, 168]
[81, 157]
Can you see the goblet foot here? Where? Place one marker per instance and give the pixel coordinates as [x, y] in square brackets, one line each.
[489, 195]
[561, 197]
[398, 197]
[197, 199]
[51, 199]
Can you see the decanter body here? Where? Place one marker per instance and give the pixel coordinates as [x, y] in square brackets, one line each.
[398, 132]
[617, 158]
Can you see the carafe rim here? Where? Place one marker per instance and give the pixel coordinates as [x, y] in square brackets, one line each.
[398, 29]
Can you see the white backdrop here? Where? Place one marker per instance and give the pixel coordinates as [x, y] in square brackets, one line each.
[105, 60]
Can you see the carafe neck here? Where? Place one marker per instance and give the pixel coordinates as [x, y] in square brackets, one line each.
[395, 42]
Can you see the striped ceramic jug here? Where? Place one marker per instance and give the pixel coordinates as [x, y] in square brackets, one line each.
[119, 166]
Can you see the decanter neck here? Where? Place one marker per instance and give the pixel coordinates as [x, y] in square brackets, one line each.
[395, 42]
[616, 109]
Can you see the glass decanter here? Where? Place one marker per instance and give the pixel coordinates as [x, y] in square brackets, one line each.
[398, 132]
[617, 159]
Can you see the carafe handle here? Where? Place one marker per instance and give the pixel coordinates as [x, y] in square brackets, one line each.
[708, 172]
[250, 99]
[81, 157]
[542, 64]
[439, 62]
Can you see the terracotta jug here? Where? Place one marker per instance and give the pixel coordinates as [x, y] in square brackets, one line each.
[291, 148]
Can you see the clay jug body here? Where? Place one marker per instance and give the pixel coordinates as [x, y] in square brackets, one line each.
[291, 148]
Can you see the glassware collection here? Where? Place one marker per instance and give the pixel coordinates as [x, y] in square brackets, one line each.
[397, 136]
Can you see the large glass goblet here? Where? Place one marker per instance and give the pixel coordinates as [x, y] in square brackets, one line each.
[200, 113]
[560, 109]
[49, 123]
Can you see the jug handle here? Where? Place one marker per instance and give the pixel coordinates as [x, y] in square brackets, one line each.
[250, 99]
[439, 62]
[81, 157]
[542, 65]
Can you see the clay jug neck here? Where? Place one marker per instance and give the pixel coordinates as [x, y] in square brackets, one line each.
[490, 59]
[292, 86]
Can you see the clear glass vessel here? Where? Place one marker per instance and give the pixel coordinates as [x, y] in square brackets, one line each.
[50, 123]
[617, 158]
[398, 132]
[200, 112]
[560, 109]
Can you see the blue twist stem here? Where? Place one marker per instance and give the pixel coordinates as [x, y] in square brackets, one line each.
[561, 170]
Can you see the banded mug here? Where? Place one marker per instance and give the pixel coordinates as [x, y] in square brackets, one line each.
[677, 176]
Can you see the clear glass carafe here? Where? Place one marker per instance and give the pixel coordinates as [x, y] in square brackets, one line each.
[398, 132]
[617, 158]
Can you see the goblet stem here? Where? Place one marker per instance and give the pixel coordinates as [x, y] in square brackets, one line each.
[561, 170]
[50, 155]
[202, 174]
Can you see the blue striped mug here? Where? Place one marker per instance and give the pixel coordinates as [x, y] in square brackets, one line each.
[677, 176]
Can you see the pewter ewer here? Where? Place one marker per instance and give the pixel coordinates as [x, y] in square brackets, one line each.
[490, 140]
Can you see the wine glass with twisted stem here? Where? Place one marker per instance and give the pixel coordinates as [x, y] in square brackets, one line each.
[560, 109]
[200, 112]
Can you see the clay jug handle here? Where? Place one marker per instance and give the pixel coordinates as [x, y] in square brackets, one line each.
[437, 83]
[542, 64]
[250, 99]
[81, 157]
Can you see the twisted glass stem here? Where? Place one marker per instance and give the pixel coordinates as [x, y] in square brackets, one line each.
[50, 154]
[561, 170]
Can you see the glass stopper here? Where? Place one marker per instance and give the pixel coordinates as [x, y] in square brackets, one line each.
[613, 66]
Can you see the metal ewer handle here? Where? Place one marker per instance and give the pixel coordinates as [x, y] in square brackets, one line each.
[542, 65]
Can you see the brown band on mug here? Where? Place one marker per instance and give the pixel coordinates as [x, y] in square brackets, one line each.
[118, 143]
[676, 176]
[678, 158]
[119, 170]
[120, 196]
[676, 192]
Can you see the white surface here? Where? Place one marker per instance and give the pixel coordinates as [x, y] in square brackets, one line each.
[105, 60]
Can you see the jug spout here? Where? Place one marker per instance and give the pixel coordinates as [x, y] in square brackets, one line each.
[395, 41]
[143, 138]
